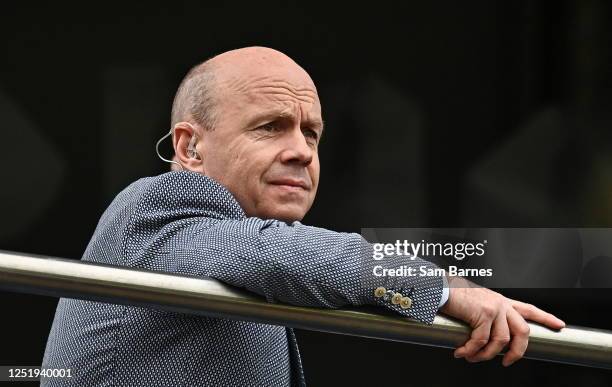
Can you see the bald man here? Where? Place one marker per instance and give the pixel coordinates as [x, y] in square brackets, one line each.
[246, 127]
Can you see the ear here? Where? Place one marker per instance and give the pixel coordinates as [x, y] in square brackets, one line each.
[183, 134]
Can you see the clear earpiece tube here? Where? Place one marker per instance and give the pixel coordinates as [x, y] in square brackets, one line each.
[159, 154]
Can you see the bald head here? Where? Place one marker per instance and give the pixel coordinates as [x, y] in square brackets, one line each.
[236, 65]
[198, 94]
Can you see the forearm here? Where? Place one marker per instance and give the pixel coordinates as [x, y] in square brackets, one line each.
[309, 266]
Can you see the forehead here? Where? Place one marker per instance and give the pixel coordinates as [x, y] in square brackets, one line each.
[285, 88]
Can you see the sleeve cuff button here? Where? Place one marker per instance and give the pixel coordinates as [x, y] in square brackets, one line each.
[405, 302]
[379, 292]
[396, 299]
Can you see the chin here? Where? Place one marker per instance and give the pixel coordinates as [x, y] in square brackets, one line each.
[287, 215]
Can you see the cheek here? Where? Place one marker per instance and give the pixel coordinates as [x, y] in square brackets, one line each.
[248, 169]
[314, 170]
[230, 158]
[225, 166]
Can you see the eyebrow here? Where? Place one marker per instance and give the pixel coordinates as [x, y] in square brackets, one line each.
[317, 123]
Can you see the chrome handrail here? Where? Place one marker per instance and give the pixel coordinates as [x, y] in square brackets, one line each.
[121, 285]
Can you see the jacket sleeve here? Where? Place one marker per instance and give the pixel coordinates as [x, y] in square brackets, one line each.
[311, 266]
[290, 263]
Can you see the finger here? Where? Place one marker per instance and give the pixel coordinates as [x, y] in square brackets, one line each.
[499, 338]
[533, 313]
[478, 339]
[519, 330]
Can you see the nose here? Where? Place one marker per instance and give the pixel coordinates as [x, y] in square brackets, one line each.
[297, 150]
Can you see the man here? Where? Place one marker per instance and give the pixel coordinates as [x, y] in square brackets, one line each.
[246, 127]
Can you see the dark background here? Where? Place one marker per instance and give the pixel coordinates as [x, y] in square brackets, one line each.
[438, 114]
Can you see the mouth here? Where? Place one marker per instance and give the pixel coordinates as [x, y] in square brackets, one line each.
[292, 184]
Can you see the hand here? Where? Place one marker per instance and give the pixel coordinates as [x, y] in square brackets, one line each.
[497, 321]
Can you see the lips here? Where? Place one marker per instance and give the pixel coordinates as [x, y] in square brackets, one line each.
[295, 183]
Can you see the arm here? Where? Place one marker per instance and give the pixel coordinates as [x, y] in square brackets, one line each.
[301, 265]
[187, 223]
[176, 229]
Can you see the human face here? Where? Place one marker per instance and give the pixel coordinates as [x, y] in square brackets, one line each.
[264, 147]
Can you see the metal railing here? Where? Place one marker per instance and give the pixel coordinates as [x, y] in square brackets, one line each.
[121, 285]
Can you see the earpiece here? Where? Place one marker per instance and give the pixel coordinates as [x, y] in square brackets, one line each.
[191, 149]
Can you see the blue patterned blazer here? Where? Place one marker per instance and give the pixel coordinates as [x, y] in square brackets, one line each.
[183, 222]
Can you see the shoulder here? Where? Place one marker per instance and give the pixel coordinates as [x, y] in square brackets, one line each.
[189, 192]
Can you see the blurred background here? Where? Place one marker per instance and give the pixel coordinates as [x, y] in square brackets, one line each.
[438, 114]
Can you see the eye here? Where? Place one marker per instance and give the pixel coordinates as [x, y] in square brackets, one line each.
[269, 127]
[312, 135]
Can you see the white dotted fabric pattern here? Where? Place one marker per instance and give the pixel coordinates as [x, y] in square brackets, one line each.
[184, 222]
